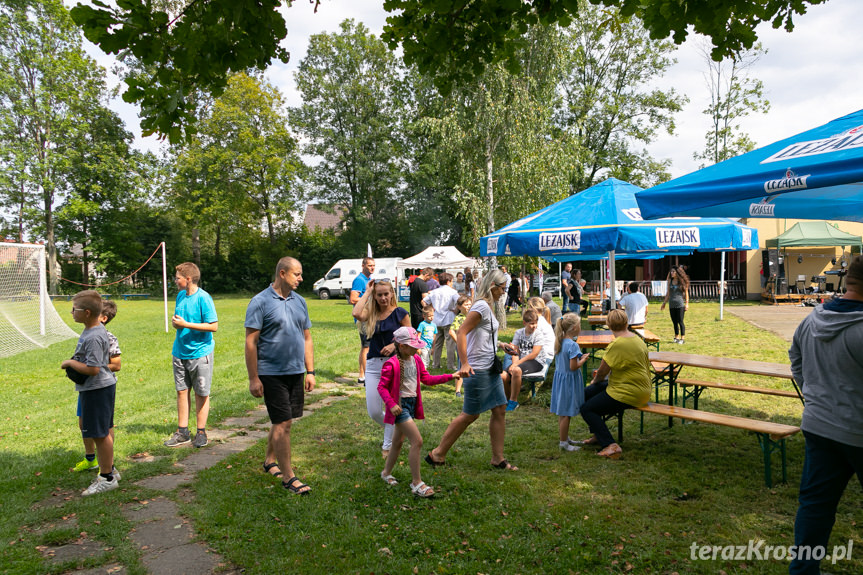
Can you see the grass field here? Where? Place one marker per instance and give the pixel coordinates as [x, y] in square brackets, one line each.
[561, 513]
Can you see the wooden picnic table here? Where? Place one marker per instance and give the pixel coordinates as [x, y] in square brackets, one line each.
[593, 340]
[596, 321]
[599, 339]
[677, 359]
[771, 436]
[781, 370]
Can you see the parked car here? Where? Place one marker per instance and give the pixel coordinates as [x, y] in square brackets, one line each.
[549, 283]
[338, 281]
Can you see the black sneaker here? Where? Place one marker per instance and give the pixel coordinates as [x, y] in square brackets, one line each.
[200, 439]
[178, 439]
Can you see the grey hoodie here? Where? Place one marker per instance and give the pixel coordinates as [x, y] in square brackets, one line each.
[827, 363]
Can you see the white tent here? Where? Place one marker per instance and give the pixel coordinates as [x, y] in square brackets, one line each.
[439, 257]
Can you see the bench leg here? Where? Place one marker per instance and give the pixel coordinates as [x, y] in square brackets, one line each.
[768, 446]
[694, 394]
[619, 427]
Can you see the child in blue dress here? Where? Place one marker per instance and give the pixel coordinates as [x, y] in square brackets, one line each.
[567, 390]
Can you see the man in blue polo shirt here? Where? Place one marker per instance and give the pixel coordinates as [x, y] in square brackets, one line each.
[358, 288]
[195, 320]
[280, 360]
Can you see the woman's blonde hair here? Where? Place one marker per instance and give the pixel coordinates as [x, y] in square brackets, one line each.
[488, 281]
[538, 304]
[373, 310]
[617, 320]
[567, 323]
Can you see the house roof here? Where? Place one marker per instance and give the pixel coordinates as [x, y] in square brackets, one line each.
[324, 216]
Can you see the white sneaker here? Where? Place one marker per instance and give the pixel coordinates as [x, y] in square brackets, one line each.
[100, 486]
[115, 473]
[567, 446]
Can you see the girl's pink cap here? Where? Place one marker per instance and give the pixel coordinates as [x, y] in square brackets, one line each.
[408, 336]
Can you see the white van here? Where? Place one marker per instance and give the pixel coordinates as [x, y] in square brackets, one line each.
[340, 278]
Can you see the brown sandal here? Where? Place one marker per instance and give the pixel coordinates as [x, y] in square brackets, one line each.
[612, 451]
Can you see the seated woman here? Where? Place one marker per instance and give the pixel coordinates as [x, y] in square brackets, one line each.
[627, 369]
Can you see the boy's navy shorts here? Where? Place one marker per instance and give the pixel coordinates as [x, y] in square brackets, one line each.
[283, 396]
[97, 411]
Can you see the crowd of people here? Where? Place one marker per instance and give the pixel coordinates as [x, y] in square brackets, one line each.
[459, 315]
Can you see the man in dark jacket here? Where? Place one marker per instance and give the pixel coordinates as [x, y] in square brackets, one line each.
[827, 362]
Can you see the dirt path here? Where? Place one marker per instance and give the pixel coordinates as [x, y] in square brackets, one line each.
[779, 319]
[166, 538]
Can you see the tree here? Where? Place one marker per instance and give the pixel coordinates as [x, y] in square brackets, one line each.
[179, 49]
[48, 89]
[198, 48]
[353, 99]
[105, 177]
[496, 144]
[734, 94]
[608, 108]
[243, 167]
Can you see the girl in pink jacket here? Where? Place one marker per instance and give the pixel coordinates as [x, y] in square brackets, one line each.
[399, 388]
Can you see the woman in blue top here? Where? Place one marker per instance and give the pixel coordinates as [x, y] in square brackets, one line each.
[380, 316]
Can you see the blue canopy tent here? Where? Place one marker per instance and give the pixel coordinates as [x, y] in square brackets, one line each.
[605, 219]
[815, 175]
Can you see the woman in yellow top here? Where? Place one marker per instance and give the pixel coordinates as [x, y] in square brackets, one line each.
[627, 369]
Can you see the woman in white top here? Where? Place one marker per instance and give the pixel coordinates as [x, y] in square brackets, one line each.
[483, 387]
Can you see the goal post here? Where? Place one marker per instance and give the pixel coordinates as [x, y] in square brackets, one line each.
[28, 319]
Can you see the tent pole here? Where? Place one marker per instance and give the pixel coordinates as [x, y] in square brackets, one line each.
[613, 292]
[721, 285]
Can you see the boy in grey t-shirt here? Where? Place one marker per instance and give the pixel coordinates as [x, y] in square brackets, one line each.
[97, 390]
[109, 310]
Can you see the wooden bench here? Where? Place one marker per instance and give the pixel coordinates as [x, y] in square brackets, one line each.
[698, 388]
[647, 336]
[771, 436]
[128, 296]
[596, 321]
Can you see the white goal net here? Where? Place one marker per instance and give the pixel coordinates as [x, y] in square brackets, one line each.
[28, 319]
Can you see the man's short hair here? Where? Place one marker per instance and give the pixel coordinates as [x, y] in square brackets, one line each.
[633, 287]
[189, 270]
[427, 272]
[368, 259]
[109, 310]
[546, 296]
[286, 263]
[854, 279]
[444, 278]
[90, 300]
[529, 315]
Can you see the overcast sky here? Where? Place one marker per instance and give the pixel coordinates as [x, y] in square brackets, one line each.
[810, 76]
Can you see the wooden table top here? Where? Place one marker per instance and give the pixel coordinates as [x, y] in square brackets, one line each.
[595, 339]
[597, 319]
[781, 370]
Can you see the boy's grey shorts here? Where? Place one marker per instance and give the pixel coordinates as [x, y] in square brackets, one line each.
[194, 374]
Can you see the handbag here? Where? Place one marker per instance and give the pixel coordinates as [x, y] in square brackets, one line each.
[497, 364]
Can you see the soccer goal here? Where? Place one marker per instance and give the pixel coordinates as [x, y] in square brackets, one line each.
[28, 319]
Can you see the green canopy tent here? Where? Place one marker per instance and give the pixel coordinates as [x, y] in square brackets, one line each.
[813, 234]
